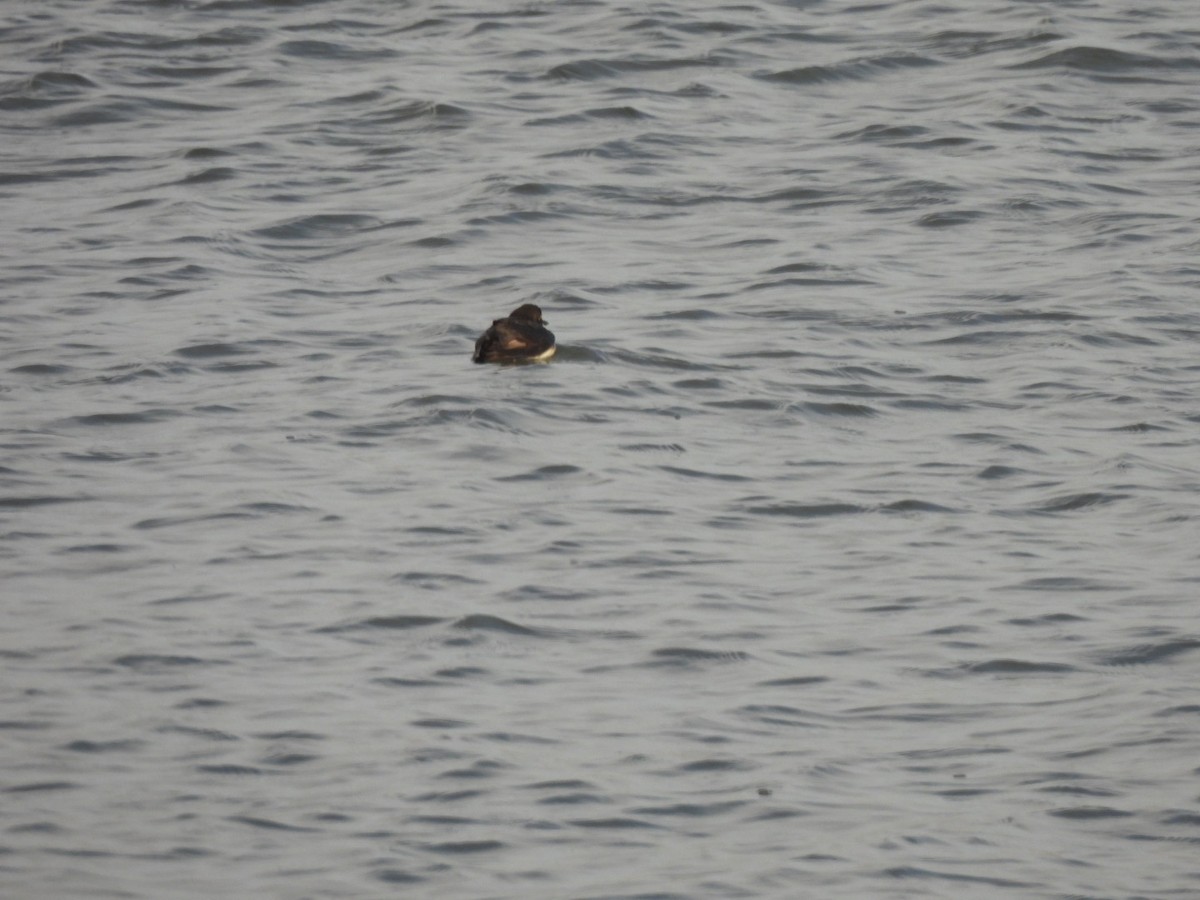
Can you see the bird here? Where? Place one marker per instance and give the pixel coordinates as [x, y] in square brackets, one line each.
[521, 336]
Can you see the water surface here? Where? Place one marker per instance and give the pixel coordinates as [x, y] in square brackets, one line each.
[846, 549]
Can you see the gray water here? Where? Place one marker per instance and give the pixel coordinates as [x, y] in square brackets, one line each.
[847, 549]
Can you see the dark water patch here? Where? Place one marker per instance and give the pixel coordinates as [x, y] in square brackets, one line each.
[31, 502]
[397, 876]
[916, 872]
[142, 373]
[1077, 502]
[1065, 583]
[656, 358]
[695, 473]
[984, 338]
[995, 472]
[699, 384]
[1138, 428]
[459, 848]
[484, 768]
[572, 798]
[687, 656]
[614, 823]
[331, 50]
[543, 473]
[562, 784]
[34, 828]
[176, 521]
[593, 69]
[1046, 619]
[322, 226]
[1089, 813]
[849, 70]
[213, 351]
[779, 714]
[912, 506]
[269, 824]
[207, 153]
[210, 176]
[162, 662]
[794, 681]
[288, 759]
[691, 810]
[108, 456]
[1105, 61]
[1077, 790]
[745, 403]
[202, 703]
[229, 769]
[434, 580]
[1016, 667]
[806, 510]
[424, 115]
[1147, 654]
[528, 592]
[685, 315]
[450, 796]
[601, 114]
[273, 509]
[949, 219]
[970, 44]
[98, 548]
[143, 417]
[42, 369]
[484, 622]
[715, 765]
[1191, 709]
[1182, 817]
[385, 623]
[197, 597]
[37, 787]
[850, 410]
[391, 682]
[117, 746]
[883, 133]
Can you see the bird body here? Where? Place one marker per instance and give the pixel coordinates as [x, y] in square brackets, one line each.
[521, 336]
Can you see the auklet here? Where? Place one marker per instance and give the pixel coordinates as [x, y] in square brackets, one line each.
[521, 337]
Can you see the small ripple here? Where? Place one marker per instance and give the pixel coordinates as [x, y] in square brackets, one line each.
[807, 510]
[458, 848]
[1016, 667]
[30, 502]
[269, 824]
[1106, 61]
[850, 70]
[1146, 654]
[1076, 502]
[160, 662]
[695, 473]
[543, 473]
[615, 823]
[852, 410]
[386, 623]
[593, 69]
[484, 622]
[143, 417]
[687, 656]
[318, 227]
[1089, 812]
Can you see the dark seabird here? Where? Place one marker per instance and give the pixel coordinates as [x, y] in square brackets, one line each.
[521, 337]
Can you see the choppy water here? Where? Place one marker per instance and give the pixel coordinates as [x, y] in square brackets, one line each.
[847, 549]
